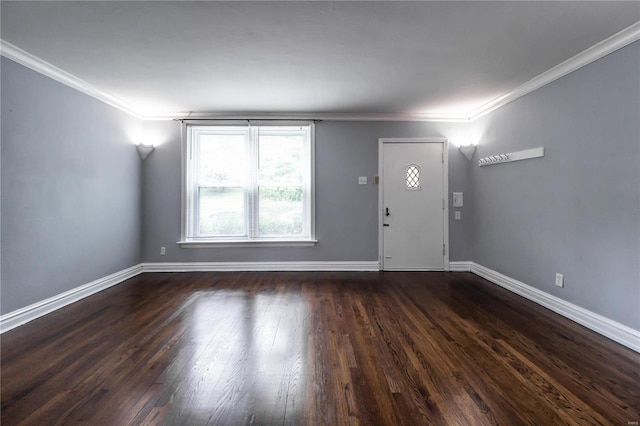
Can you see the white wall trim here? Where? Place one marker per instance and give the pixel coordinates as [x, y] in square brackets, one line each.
[43, 67]
[259, 266]
[327, 116]
[458, 266]
[592, 54]
[29, 313]
[620, 333]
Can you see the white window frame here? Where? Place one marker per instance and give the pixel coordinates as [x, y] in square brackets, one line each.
[189, 239]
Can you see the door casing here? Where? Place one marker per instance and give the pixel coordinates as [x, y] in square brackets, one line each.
[445, 191]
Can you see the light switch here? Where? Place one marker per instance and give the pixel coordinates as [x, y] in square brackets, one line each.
[457, 199]
[362, 180]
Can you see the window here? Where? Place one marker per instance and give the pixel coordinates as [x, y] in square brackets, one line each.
[248, 185]
[413, 177]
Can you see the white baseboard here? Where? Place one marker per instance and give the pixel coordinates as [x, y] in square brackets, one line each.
[29, 313]
[620, 333]
[458, 266]
[259, 266]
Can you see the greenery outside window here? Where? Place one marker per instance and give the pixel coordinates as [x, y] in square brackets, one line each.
[250, 184]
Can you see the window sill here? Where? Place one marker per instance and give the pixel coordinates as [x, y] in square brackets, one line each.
[246, 243]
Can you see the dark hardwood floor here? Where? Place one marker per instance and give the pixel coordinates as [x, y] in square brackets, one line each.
[313, 348]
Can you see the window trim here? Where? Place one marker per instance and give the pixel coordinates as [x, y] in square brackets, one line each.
[208, 242]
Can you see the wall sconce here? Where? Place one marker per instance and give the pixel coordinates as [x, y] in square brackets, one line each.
[468, 151]
[144, 150]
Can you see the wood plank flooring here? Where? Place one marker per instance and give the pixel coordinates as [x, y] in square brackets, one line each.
[311, 349]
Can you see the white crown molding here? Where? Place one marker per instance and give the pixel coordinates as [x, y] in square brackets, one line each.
[620, 333]
[439, 117]
[595, 52]
[43, 67]
[259, 266]
[29, 313]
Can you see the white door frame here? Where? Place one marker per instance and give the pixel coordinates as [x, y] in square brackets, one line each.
[445, 191]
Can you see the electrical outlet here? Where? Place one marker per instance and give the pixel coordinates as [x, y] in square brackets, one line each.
[163, 251]
[362, 180]
[559, 280]
[457, 215]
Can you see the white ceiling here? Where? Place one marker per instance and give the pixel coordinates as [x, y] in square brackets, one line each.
[309, 57]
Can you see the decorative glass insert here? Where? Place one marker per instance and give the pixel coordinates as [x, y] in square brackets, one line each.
[413, 177]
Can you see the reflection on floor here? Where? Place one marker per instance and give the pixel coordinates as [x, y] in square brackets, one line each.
[313, 348]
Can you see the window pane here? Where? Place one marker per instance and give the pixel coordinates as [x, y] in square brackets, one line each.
[413, 177]
[221, 211]
[222, 160]
[281, 157]
[281, 183]
[281, 211]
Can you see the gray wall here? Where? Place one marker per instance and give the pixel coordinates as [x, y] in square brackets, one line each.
[73, 209]
[346, 213]
[577, 210]
[71, 197]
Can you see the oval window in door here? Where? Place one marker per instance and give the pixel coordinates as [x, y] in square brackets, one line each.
[413, 177]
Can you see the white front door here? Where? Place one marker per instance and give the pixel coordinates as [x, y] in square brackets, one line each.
[413, 204]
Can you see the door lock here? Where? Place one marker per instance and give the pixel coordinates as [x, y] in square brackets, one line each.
[386, 211]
